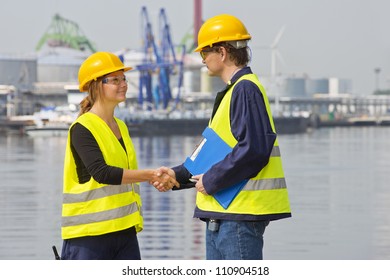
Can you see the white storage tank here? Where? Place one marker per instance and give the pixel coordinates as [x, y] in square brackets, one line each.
[59, 65]
[19, 71]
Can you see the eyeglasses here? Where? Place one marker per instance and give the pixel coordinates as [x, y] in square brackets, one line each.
[208, 50]
[117, 80]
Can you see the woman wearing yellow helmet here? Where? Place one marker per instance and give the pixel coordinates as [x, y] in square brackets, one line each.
[101, 211]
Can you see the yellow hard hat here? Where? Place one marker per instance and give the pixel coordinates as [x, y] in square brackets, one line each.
[98, 65]
[221, 28]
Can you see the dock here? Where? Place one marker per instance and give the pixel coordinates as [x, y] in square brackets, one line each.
[13, 125]
[298, 115]
[339, 110]
[150, 127]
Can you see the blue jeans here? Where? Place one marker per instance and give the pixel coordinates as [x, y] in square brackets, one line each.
[236, 240]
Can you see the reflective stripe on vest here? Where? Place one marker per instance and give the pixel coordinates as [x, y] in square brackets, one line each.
[264, 194]
[100, 216]
[92, 208]
[99, 193]
[265, 184]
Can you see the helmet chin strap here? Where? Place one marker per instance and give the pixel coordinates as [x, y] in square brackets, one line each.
[232, 75]
[238, 44]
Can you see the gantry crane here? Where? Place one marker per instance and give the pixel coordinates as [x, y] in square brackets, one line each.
[159, 63]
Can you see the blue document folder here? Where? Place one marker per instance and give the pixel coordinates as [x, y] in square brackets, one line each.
[211, 150]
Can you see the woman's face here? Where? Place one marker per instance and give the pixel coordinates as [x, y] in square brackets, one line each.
[114, 87]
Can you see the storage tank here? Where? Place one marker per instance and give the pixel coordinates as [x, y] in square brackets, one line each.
[19, 71]
[315, 86]
[296, 87]
[60, 65]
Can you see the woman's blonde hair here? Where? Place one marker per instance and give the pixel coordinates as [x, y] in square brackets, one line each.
[95, 90]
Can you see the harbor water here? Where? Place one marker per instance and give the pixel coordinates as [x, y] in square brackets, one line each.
[338, 182]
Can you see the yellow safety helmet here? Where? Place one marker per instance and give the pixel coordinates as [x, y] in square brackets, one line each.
[98, 65]
[221, 28]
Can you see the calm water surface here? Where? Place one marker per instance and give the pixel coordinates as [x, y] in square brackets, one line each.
[338, 180]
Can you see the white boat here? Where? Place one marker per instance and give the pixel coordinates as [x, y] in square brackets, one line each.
[47, 130]
[51, 122]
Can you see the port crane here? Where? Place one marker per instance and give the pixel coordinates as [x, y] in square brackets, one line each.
[159, 63]
[65, 33]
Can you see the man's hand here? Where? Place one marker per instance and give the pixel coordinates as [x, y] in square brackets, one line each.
[199, 184]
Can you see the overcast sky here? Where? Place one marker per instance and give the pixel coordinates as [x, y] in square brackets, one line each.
[323, 38]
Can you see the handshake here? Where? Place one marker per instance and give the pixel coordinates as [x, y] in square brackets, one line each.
[164, 179]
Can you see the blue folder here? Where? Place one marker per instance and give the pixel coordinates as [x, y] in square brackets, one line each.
[211, 150]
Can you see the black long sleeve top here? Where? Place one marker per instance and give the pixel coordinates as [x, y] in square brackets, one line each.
[89, 158]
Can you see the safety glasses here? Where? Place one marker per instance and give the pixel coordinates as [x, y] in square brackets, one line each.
[203, 52]
[116, 80]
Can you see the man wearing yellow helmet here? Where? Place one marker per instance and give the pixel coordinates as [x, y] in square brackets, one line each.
[102, 207]
[242, 118]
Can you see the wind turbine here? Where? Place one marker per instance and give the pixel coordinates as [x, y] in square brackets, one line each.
[275, 54]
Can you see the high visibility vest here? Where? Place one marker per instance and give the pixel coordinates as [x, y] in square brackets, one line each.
[92, 208]
[266, 193]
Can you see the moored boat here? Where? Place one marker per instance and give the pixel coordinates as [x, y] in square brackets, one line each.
[47, 130]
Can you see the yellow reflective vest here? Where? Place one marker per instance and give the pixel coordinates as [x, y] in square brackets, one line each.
[266, 193]
[92, 208]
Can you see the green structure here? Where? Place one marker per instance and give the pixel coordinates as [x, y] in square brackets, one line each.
[65, 33]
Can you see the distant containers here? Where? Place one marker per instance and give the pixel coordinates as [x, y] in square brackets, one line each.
[19, 71]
